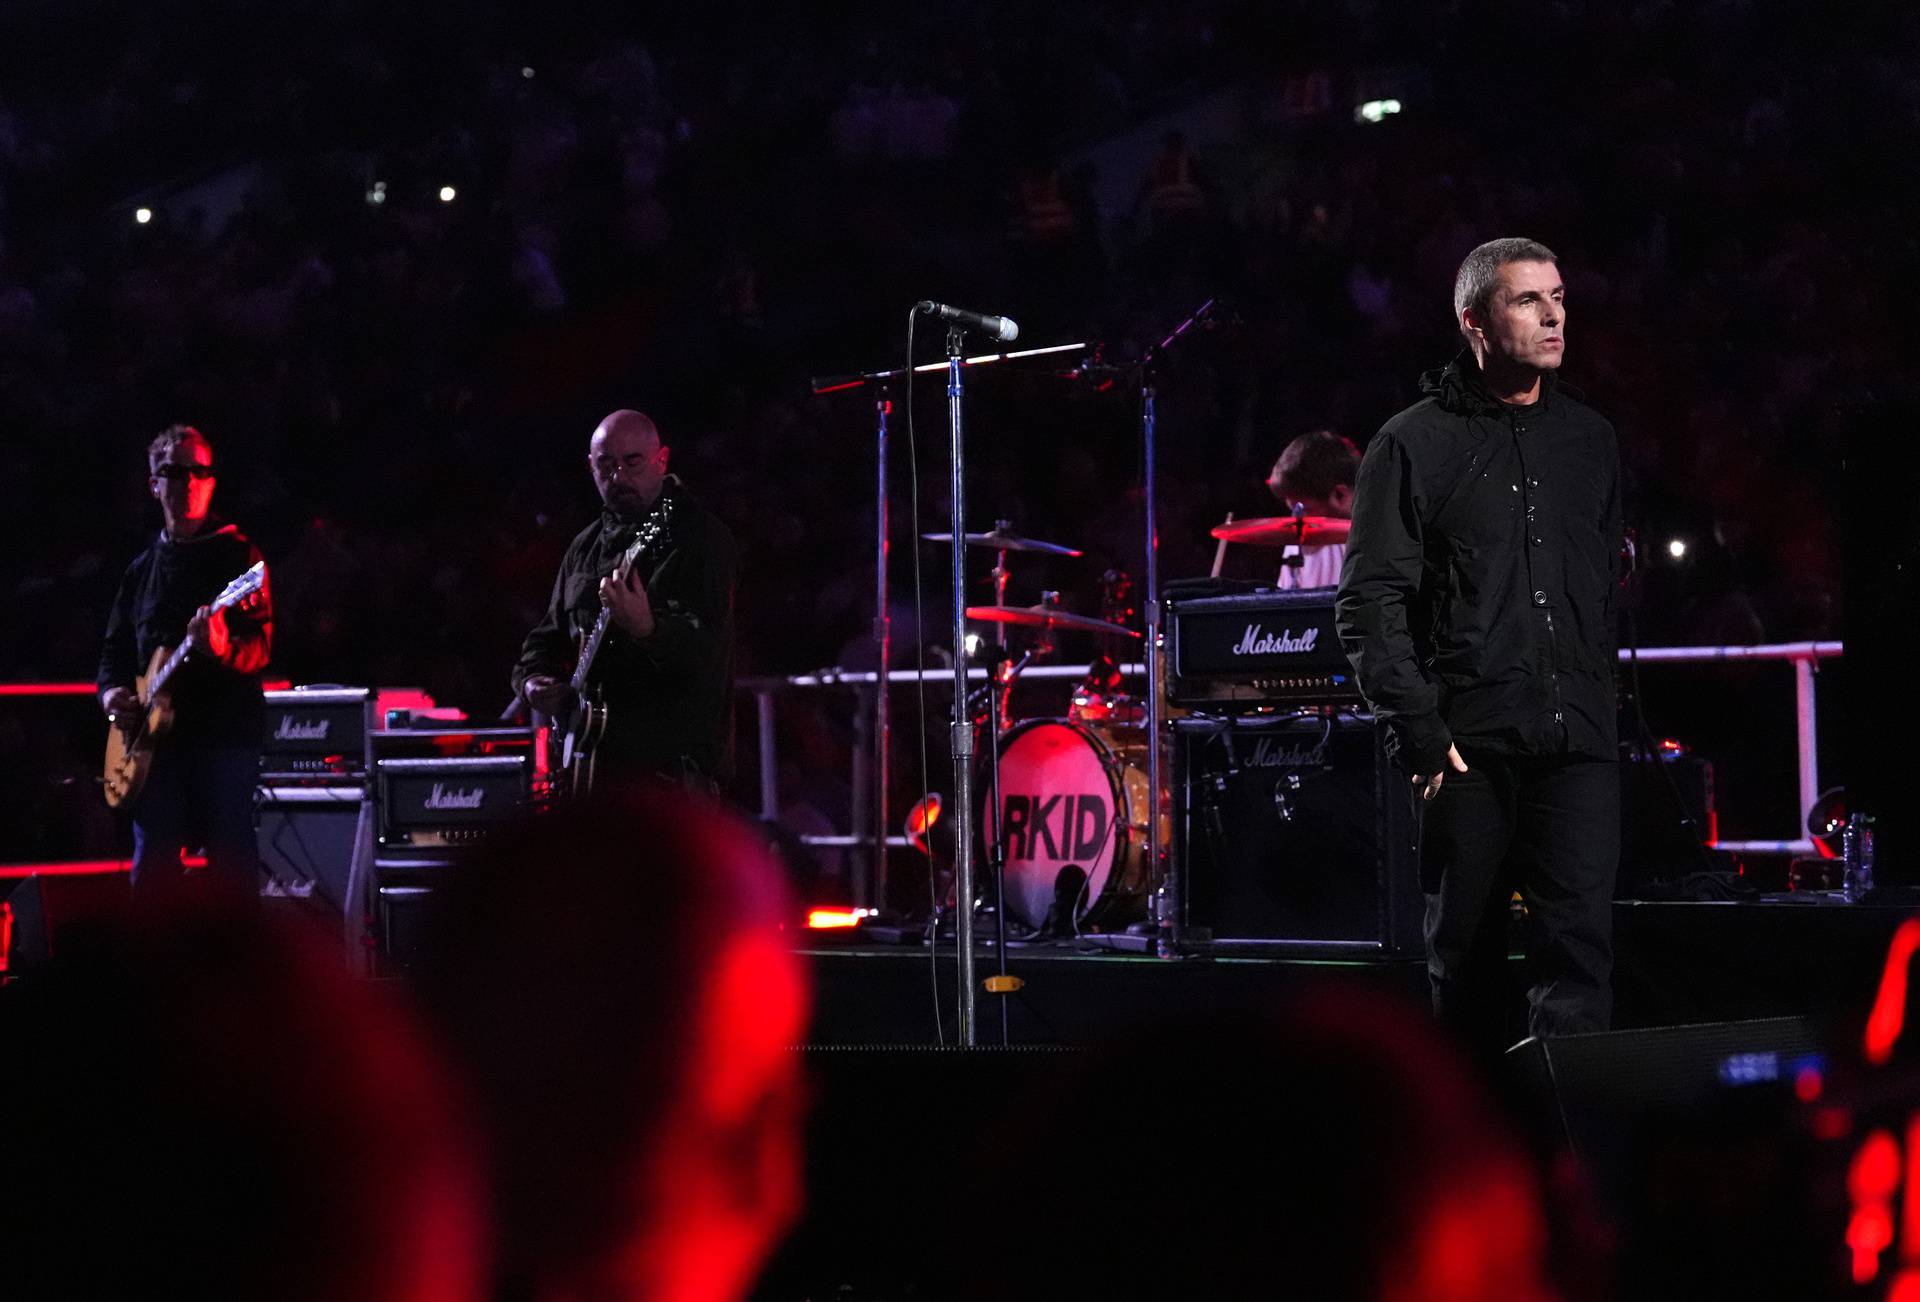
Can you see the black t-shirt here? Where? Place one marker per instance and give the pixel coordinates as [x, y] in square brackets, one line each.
[214, 705]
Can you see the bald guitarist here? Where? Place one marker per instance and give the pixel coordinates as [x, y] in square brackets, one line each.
[641, 615]
[198, 788]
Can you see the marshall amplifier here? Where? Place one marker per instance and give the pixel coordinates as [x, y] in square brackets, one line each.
[1252, 649]
[436, 806]
[1292, 832]
[317, 733]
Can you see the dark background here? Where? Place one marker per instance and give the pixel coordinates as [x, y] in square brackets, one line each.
[692, 209]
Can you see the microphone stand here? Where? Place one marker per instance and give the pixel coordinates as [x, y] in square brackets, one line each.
[1167, 913]
[882, 738]
[962, 727]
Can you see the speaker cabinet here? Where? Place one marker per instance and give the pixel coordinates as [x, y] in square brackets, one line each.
[39, 912]
[306, 837]
[1293, 832]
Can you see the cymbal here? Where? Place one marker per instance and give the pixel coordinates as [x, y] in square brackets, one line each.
[1046, 617]
[1284, 530]
[1007, 540]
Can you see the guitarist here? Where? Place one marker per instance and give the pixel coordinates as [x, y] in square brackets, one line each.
[665, 668]
[200, 788]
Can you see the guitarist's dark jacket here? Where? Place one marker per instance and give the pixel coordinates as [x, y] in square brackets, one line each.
[215, 704]
[670, 697]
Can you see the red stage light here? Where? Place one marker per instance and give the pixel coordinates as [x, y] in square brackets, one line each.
[1889, 1014]
[836, 919]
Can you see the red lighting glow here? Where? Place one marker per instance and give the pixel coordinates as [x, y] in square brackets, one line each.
[1808, 1084]
[836, 919]
[1872, 1180]
[1889, 1014]
[924, 814]
[46, 689]
[79, 868]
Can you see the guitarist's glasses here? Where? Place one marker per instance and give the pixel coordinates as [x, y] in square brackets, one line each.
[174, 470]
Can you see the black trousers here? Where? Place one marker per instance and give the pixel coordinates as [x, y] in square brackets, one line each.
[1548, 827]
[197, 797]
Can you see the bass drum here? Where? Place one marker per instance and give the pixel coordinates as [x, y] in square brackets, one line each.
[1075, 803]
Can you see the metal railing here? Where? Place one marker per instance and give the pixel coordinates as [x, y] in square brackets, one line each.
[1804, 656]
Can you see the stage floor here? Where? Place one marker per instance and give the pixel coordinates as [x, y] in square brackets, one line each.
[1675, 964]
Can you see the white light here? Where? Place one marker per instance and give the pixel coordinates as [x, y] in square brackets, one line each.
[973, 643]
[1375, 109]
[143, 215]
[1677, 548]
[527, 73]
[446, 194]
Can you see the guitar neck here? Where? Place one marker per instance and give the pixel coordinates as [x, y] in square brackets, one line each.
[592, 649]
[179, 657]
[649, 533]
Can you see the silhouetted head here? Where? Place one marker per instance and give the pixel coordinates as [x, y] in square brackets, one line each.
[199, 1104]
[613, 981]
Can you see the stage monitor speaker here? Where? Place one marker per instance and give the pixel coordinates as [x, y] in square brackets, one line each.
[43, 910]
[1293, 832]
[1598, 1087]
[306, 837]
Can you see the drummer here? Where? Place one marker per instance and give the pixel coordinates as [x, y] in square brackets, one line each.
[1314, 477]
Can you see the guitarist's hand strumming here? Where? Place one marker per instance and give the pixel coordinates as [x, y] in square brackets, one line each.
[547, 694]
[121, 705]
[626, 597]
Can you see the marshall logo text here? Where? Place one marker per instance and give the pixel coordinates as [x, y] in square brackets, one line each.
[1258, 642]
[1269, 754]
[441, 798]
[311, 730]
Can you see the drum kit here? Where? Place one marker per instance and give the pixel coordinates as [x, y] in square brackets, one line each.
[1068, 822]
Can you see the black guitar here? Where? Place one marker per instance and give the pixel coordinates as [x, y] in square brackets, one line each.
[586, 722]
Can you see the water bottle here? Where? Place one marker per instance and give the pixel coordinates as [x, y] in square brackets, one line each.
[1856, 856]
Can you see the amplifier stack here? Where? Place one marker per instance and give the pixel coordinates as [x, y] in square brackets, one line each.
[1290, 830]
[436, 792]
[314, 756]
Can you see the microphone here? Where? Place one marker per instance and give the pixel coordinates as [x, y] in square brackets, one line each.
[1000, 327]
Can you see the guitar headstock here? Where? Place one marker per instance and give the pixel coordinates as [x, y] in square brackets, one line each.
[246, 591]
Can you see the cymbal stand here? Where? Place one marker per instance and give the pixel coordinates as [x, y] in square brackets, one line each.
[1297, 557]
[999, 697]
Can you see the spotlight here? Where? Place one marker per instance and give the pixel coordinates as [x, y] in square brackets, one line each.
[378, 194]
[447, 193]
[143, 215]
[1677, 548]
[527, 73]
[973, 644]
[1374, 110]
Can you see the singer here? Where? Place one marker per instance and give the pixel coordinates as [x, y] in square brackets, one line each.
[1476, 604]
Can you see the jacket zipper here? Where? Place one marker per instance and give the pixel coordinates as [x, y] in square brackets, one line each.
[1553, 667]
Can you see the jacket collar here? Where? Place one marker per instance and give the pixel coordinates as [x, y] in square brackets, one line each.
[1458, 387]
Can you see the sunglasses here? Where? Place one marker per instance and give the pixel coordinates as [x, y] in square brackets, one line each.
[173, 470]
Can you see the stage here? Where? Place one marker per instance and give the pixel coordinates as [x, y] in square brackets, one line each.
[1676, 963]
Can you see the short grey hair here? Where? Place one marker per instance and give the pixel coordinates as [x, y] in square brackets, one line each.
[174, 436]
[1479, 275]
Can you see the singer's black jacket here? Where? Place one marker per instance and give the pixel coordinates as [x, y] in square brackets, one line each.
[669, 698]
[1477, 598]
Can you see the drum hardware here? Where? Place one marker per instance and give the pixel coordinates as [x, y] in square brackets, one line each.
[1002, 538]
[1072, 825]
[1047, 615]
[1284, 530]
